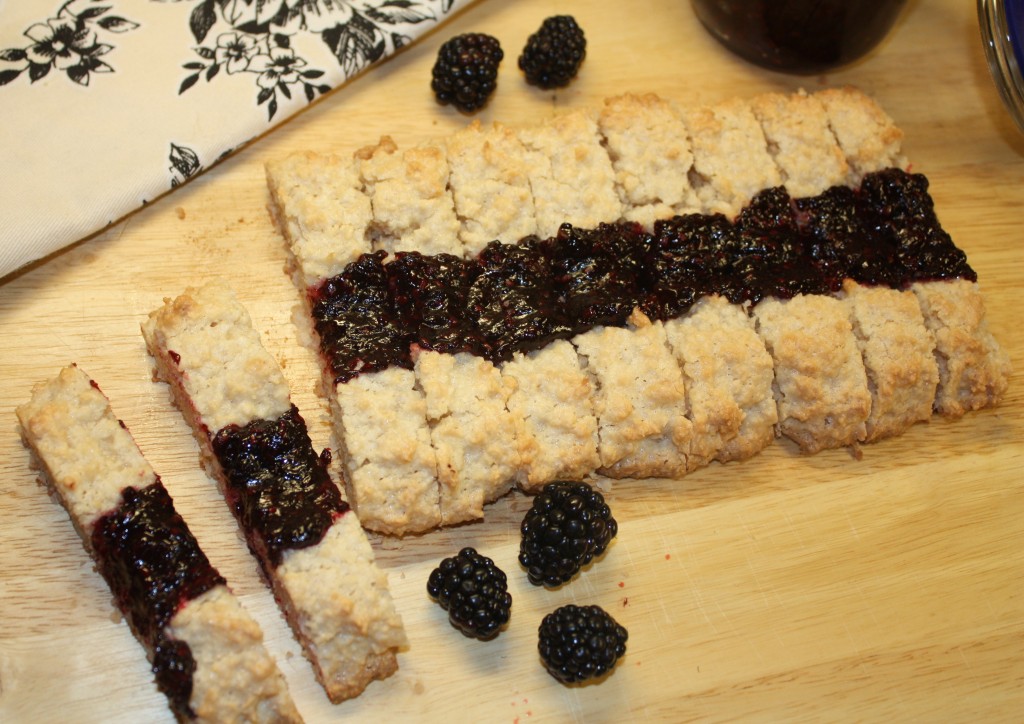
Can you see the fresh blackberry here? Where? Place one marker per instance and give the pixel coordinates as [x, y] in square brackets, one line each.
[577, 643]
[466, 71]
[568, 524]
[553, 54]
[474, 592]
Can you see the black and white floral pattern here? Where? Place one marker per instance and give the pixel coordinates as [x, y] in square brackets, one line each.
[108, 103]
[255, 37]
[70, 42]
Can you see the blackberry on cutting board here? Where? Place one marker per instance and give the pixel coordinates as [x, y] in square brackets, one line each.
[568, 525]
[552, 56]
[466, 71]
[578, 643]
[474, 592]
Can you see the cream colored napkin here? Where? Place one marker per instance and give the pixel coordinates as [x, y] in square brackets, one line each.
[105, 105]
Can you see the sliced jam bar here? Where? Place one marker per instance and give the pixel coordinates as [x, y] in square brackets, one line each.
[206, 651]
[868, 137]
[789, 221]
[639, 400]
[552, 406]
[973, 368]
[471, 430]
[649, 148]
[820, 384]
[731, 162]
[408, 192]
[308, 543]
[898, 353]
[571, 175]
[322, 211]
[728, 376]
[801, 142]
[490, 186]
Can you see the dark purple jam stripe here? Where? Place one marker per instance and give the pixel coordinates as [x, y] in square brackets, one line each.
[430, 295]
[520, 297]
[357, 322]
[277, 486]
[154, 566]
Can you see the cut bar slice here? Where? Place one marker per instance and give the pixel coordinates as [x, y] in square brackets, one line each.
[570, 173]
[254, 443]
[728, 375]
[820, 385]
[869, 138]
[639, 399]
[730, 156]
[207, 652]
[897, 350]
[973, 368]
[412, 206]
[322, 212]
[551, 403]
[390, 466]
[650, 151]
[490, 184]
[472, 432]
[801, 142]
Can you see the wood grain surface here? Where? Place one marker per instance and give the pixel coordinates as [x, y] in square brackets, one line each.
[889, 587]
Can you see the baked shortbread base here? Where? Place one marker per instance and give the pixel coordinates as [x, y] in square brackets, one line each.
[738, 383]
[332, 593]
[87, 458]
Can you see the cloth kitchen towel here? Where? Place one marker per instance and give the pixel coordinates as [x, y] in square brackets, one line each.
[107, 104]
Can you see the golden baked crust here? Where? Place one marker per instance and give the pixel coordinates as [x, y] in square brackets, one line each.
[335, 598]
[649, 148]
[728, 375]
[800, 141]
[820, 385]
[551, 402]
[490, 185]
[472, 432]
[639, 400]
[409, 195]
[897, 350]
[730, 156]
[973, 368]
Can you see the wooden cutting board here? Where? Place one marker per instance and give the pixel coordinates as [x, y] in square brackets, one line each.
[889, 586]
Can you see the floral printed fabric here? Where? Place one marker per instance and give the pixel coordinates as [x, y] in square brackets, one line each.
[107, 104]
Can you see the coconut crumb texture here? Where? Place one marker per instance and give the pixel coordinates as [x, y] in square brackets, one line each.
[232, 379]
[87, 455]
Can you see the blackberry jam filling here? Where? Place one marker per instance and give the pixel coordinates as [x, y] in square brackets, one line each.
[277, 487]
[513, 302]
[598, 274]
[519, 297]
[153, 565]
[430, 295]
[357, 323]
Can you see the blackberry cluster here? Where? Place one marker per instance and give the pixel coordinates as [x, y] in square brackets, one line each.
[553, 54]
[466, 71]
[474, 592]
[568, 524]
[577, 643]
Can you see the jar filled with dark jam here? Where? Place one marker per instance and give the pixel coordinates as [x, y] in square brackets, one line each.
[799, 36]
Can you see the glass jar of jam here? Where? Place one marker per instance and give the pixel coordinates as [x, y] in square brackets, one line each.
[1002, 32]
[799, 36]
